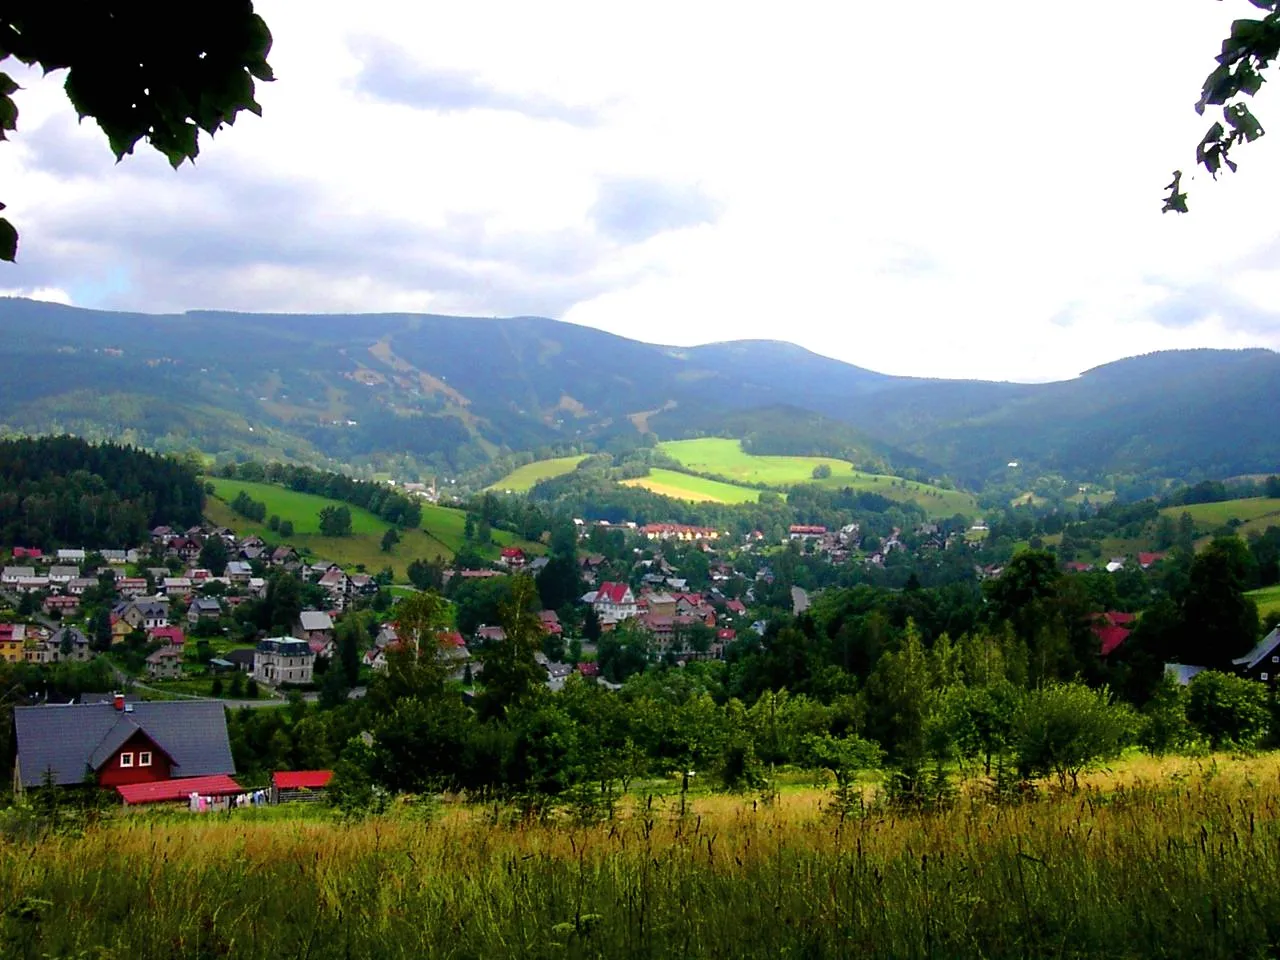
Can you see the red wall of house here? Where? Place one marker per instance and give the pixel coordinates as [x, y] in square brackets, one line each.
[112, 774]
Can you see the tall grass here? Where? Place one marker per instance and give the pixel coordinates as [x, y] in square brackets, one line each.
[1170, 867]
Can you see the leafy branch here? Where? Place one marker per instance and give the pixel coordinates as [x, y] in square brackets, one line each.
[1250, 49]
[140, 70]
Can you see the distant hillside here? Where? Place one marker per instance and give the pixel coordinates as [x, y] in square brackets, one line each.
[441, 395]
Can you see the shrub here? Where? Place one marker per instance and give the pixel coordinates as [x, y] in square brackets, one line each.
[1063, 728]
[1228, 711]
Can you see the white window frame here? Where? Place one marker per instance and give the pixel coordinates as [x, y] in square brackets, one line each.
[144, 758]
[126, 759]
[1264, 676]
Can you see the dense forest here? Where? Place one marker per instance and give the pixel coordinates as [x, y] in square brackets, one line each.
[63, 491]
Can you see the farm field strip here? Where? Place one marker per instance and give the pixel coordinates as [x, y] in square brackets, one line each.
[1208, 516]
[683, 486]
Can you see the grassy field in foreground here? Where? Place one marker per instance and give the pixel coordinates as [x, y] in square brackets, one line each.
[523, 478]
[1162, 868]
[442, 532]
[1210, 516]
[683, 486]
[725, 457]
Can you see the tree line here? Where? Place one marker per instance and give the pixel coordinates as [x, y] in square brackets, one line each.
[57, 491]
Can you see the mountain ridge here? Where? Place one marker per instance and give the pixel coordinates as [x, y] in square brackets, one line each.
[446, 394]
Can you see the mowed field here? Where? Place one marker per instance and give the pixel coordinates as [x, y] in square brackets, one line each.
[682, 486]
[725, 457]
[1255, 512]
[523, 478]
[442, 532]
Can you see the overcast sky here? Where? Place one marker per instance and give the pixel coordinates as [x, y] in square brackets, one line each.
[940, 189]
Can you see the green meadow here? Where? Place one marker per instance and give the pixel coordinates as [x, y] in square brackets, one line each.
[522, 479]
[725, 457]
[442, 533]
[1210, 516]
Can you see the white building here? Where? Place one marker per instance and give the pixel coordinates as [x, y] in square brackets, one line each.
[283, 660]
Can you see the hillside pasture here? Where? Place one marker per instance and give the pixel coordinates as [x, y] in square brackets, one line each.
[1267, 599]
[725, 457]
[683, 486]
[522, 479]
[1258, 512]
[440, 537]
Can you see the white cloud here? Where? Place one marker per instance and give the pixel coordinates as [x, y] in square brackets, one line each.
[934, 188]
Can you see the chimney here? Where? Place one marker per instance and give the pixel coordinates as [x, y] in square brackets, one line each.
[117, 700]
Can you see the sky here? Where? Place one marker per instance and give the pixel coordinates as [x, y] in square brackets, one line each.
[935, 189]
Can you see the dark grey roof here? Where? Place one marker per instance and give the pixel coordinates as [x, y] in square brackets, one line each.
[76, 637]
[1264, 648]
[242, 655]
[72, 740]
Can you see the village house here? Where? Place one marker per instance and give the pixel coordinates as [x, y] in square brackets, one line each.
[71, 555]
[62, 605]
[177, 588]
[78, 586]
[614, 602]
[69, 644]
[1262, 663]
[279, 660]
[60, 576]
[181, 742]
[11, 576]
[512, 557]
[551, 622]
[143, 614]
[299, 786]
[171, 636]
[28, 553]
[238, 571]
[203, 608]
[314, 625]
[801, 531]
[130, 587]
[165, 663]
[13, 637]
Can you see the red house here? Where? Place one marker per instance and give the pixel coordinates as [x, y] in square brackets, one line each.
[512, 557]
[115, 744]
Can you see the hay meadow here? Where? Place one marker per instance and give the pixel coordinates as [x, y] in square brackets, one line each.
[1168, 858]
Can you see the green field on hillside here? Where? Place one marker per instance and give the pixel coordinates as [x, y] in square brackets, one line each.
[522, 479]
[442, 532]
[1267, 599]
[683, 486]
[1210, 516]
[725, 457]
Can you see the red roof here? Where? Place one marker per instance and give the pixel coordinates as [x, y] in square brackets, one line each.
[451, 639]
[171, 635]
[725, 634]
[1120, 619]
[735, 606]
[589, 669]
[512, 552]
[301, 779]
[1147, 559]
[807, 528]
[1111, 637]
[1079, 567]
[162, 791]
[613, 592]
